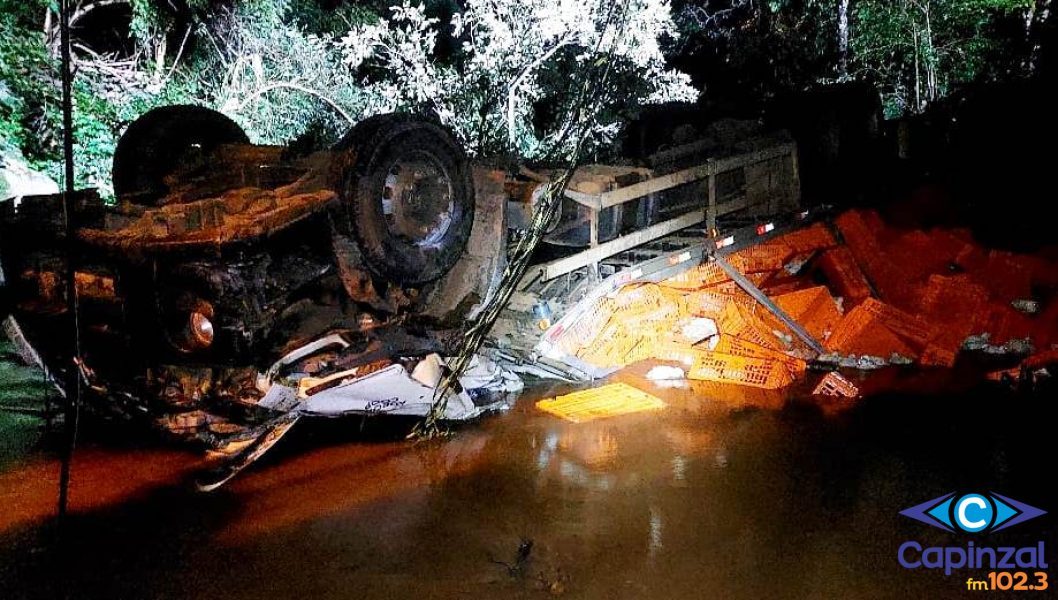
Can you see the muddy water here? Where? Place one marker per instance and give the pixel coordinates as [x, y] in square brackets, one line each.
[723, 494]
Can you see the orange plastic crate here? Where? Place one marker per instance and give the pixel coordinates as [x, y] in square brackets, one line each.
[834, 384]
[1006, 275]
[860, 333]
[1004, 324]
[584, 330]
[760, 259]
[711, 303]
[938, 356]
[814, 308]
[703, 276]
[815, 237]
[740, 322]
[727, 344]
[947, 296]
[741, 370]
[859, 236]
[612, 349]
[842, 272]
[952, 304]
[908, 326]
[610, 400]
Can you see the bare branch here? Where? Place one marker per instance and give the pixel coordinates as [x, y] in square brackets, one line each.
[296, 87]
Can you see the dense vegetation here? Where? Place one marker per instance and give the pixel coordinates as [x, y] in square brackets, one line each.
[497, 72]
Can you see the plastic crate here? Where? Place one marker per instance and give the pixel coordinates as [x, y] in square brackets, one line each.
[860, 333]
[763, 258]
[844, 275]
[815, 237]
[1006, 275]
[727, 344]
[740, 322]
[741, 370]
[1003, 324]
[610, 400]
[584, 330]
[910, 327]
[813, 308]
[936, 355]
[952, 304]
[612, 349]
[834, 384]
[859, 237]
[710, 303]
[703, 276]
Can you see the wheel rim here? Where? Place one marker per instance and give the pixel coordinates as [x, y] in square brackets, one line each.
[417, 200]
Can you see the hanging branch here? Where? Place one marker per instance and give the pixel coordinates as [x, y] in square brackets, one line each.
[298, 88]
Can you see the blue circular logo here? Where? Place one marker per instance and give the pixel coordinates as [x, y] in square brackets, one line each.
[973, 513]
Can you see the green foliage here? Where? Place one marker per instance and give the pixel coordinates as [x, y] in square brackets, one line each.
[513, 63]
[285, 69]
[28, 84]
[249, 58]
[918, 50]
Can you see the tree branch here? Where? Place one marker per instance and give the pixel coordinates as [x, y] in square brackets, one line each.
[87, 8]
[513, 90]
[299, 88]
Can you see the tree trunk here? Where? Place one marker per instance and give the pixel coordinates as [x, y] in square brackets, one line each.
[843, 37]
[1036, 23]
[160, 50]
[930, 57]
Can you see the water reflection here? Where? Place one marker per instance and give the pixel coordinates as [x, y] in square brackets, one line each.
[728, 492]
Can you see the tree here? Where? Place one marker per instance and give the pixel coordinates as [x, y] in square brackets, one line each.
[498, 81]
[918, 49]
[843, 37]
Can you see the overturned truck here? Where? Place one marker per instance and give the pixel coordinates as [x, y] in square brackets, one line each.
[231, 283]
[220, 257]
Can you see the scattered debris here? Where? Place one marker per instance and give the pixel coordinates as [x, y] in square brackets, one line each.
[891, 297]
[835, 384]
[273, 432]
[1027, 307]
[516, 568]
[665, 373]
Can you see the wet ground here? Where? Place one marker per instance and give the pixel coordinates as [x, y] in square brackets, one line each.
[723, 494]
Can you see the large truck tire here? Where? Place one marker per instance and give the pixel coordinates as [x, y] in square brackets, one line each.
[161, 140]
[409, 193]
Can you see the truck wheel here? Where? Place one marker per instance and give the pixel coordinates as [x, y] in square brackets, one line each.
[161, 140]
[410, 197]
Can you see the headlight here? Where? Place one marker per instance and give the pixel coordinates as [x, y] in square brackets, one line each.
[190, 326]
[200, 330]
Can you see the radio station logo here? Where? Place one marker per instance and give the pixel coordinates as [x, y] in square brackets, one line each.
[978, 513]
[972, 513]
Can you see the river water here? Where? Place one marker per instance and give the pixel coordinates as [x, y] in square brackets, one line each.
[725, 493]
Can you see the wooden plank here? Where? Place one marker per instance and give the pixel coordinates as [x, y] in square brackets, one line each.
[712, 167]
[665, 182]
[732, 206]
[710, 209]
[589, 200]
[593, 255]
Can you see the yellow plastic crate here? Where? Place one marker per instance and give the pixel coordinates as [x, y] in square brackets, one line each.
[610, 400]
